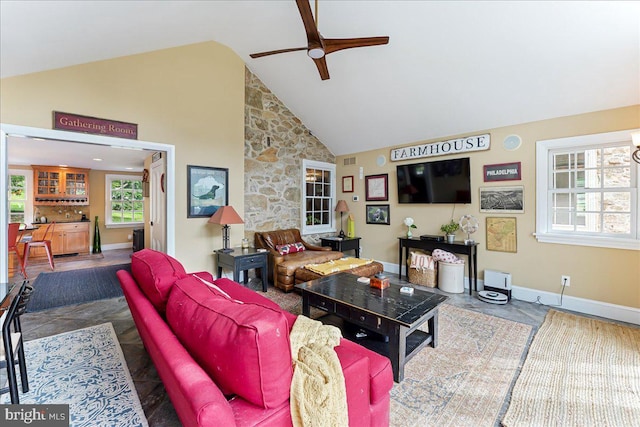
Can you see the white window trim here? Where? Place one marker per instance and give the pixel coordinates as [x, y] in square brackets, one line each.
[28, 206]
[317, 229]
[543, 232]
[107, 201]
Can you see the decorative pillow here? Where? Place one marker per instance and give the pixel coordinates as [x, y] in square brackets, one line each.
[444, 256]
[155, 272]
[290, 248]
[244, 348]
[422, 262]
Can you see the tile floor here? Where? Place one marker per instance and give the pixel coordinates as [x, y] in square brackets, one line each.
[153, 397]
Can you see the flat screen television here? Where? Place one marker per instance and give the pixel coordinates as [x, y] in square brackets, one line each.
[443, 181]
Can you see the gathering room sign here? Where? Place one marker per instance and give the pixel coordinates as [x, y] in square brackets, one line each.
[94, 125]
[452, 146]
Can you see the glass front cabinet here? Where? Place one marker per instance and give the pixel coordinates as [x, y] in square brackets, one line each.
[55, 185]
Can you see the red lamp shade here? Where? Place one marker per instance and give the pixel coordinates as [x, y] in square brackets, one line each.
[225, 215]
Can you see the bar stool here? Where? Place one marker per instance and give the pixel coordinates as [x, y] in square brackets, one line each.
[12, 350]
[43, 242]
[14, 233]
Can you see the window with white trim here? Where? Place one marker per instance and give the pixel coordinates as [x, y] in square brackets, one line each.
[587, 191]
[20, 203]
[318, 197]
[124, 206]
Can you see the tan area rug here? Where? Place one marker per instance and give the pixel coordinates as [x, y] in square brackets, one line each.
[579, 372]
[462, 382]
[465, 380]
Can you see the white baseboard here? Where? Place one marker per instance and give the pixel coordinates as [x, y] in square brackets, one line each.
[113, 246]
[581, 305]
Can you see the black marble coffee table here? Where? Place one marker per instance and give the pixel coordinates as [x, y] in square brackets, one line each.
[392, 319]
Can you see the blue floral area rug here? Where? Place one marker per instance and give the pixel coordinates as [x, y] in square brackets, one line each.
[466, 379]
[86, 369]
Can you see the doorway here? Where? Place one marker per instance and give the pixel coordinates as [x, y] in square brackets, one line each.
[7, 131]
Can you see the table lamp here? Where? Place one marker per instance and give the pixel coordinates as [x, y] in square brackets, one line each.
[342, 208]
[224, 216]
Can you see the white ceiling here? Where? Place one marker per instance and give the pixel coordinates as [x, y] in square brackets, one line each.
[35, 151]
[451, 67]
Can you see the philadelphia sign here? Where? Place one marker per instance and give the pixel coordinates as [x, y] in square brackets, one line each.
[453, 146]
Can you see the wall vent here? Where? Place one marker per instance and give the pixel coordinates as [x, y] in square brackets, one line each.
[349, 161]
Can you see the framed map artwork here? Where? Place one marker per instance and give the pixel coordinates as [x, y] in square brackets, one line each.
[502, 234]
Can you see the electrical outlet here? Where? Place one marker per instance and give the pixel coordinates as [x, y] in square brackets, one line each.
[566, 280]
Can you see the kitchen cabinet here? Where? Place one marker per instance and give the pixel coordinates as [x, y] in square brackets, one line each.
[60, 185]
[67, 238]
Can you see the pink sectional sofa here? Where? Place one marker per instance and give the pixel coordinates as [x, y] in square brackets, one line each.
[223, 351]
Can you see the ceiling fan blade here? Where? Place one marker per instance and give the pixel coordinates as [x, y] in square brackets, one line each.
[322, 68]
[273, 52]
[334, 45]
[313, 36]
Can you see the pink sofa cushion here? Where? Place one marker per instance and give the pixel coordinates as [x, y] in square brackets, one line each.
[156, 272]
[244, 347]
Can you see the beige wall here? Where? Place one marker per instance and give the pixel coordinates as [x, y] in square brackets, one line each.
[607, 275]
[191, 97]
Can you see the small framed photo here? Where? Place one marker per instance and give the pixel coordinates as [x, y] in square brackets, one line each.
[347, 184]
[376, 187]
[378, 214]
[502, 199]
[503, 172]
[502, 234]
[207, 190]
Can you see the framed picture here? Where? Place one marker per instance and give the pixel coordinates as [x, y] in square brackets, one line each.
[347, 184]
[503, 172]
[378, 214]
[376, 187]
[502, 234]
[207, 190]
[502, 199]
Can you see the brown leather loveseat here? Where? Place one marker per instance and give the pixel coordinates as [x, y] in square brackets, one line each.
[283, 267]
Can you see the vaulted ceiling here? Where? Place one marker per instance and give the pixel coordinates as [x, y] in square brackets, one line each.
[450, 68]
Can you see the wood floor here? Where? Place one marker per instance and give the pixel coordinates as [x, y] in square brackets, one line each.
[155, 402]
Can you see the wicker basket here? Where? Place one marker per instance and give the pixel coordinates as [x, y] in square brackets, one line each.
[423, 276]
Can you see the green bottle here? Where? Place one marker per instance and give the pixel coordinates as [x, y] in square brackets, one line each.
[97, 248]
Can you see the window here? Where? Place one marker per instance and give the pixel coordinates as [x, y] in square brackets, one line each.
[20, 206]
[124, 206]
[318, 195]
[587, 191]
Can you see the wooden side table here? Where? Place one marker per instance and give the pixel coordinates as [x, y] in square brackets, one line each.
[244, 260]
[342, 244]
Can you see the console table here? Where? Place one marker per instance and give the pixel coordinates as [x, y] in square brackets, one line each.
[342, 244]
[429, 245]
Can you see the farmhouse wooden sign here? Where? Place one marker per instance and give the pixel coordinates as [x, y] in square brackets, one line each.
[94, 125]
[452, 146]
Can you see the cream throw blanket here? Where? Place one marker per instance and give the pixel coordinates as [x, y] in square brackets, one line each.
[334, 266]
[318, 392]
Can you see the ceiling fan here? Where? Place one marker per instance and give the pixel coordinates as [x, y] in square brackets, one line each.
[317, 46]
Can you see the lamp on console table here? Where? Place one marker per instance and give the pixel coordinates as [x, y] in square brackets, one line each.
[342, 208]
[224, 216]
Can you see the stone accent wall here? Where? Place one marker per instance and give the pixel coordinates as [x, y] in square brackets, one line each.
[276, 142]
